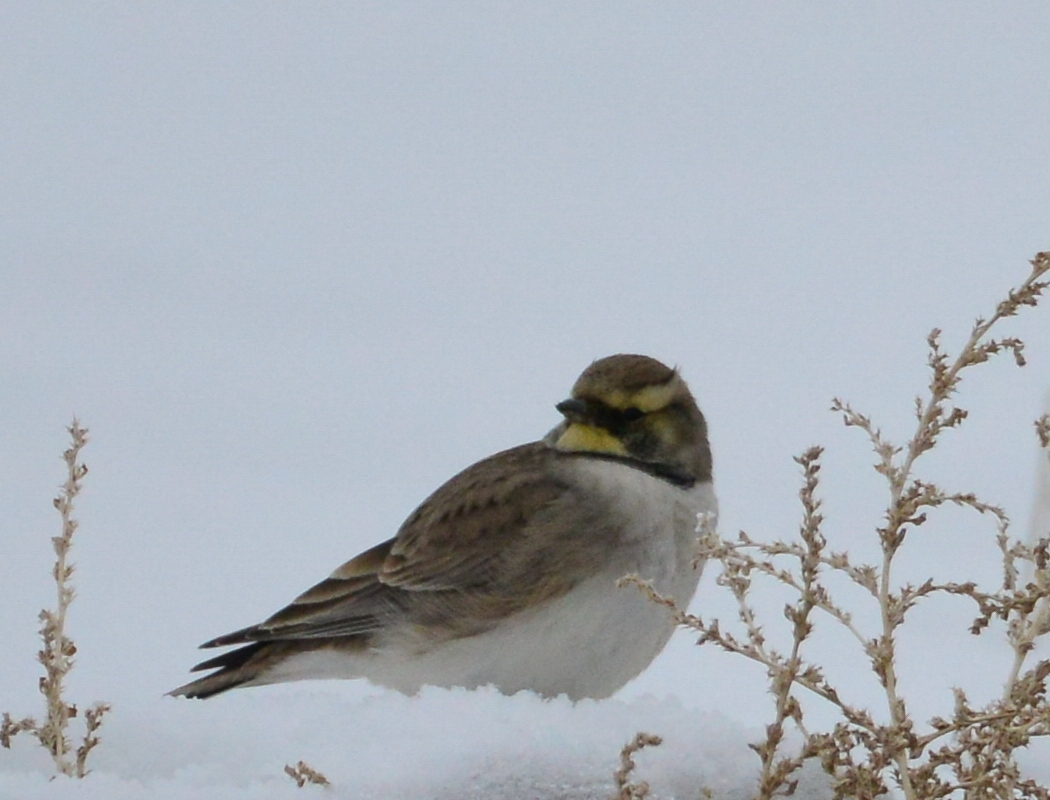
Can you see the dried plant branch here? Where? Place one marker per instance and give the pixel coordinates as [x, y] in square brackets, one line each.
[1040, 527]
[1042, 430]
[57, 651]
[970, 753]
[625, 788]
[9, 728]
[302, 773]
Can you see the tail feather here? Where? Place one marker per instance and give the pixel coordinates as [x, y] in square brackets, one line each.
[259, 663]
[209, 686]
[236, 668]
[231, 660]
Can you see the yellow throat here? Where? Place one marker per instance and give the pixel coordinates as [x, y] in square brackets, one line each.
[581, 438]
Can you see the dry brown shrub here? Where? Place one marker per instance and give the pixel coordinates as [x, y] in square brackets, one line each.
[57, 651]
[969, 751]
[302, 773]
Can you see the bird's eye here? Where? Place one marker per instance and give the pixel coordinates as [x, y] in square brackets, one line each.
[631, 414]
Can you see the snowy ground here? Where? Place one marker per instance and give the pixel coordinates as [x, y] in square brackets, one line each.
[294, 265]
[453, 744]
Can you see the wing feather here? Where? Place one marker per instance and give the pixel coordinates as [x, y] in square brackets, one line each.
[480, 548]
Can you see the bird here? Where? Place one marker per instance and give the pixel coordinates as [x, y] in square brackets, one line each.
[507, 575]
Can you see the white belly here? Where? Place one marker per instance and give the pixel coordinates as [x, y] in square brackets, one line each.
[587, 643]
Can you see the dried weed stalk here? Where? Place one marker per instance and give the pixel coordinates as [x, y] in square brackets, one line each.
[58, 650]
[971, 751]
[302, 773]
[626, 789]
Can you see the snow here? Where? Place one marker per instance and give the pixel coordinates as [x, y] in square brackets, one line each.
[441, 743]
[294, 265]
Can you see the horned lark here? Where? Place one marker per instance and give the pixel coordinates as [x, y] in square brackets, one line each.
[507, 574]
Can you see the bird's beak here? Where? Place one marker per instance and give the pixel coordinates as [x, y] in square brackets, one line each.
[573, 410]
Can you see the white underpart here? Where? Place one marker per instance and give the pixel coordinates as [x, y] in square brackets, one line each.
[587, 643]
